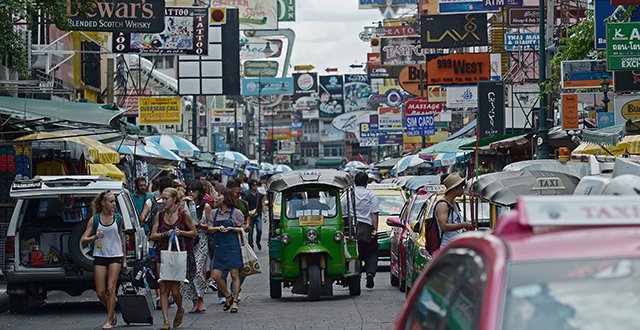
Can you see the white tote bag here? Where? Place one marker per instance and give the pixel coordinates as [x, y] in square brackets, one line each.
[250, 265]
[173, 264]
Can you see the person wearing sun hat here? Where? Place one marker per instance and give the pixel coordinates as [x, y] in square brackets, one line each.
[450, 221]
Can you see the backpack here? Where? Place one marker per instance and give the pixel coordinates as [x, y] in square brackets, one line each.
[144, 274]
[432, 232]
[155, 209]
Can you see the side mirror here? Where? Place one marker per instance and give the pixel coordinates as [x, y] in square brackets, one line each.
[394, 222]
[416, 227]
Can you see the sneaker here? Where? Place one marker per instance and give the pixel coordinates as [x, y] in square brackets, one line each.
[222, 300]
[369, 281]
[212, 285]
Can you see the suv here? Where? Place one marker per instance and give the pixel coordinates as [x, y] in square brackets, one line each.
[43, 249]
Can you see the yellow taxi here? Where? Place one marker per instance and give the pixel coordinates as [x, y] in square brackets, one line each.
[391, 198]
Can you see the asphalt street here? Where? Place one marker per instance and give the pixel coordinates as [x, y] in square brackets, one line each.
[375, 309]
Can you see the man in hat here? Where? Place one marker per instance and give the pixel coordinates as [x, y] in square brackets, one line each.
[448, 214]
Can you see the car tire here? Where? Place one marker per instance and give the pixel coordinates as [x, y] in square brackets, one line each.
[79, 254]
[18, 304]
[315, 284]
[275, 289]
[395, 281]
[354, 286]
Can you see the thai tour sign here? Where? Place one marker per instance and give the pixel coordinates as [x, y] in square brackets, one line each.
[159, 111]
[119, 16]
[623, 46]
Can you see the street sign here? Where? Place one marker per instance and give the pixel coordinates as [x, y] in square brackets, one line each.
[307, 67]
[331, 70]
[623, 46]
[420, 125]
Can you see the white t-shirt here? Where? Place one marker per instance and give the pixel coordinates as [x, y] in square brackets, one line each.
[366, 204]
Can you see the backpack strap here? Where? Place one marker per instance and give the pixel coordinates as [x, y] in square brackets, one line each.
[96, 222]
[118, 218]
[435, 216]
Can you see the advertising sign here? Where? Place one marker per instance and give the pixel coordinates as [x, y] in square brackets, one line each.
[422, 106]
[408, 28]
[305, 96]
[420, 125]
[268, 69]
[286, 147]
[450, 31]
[159, 111]
[130, 99]
[389, 119]
[357, 89]
[623, 46]
[570, 111]
[401, 51]
[437, 94]
[628, 107]
[280, 134]
[603, 10]
[226, 118]
[331, 98]
[123, 15]
[350, 122]
[605, 119]
[267, 86]
[491, 110]
[254, 14]
[390, 139]
[185, 32]
[524, 16]
[626, 81]
[584, 74]
[259, 48]
[521, 42]
[286, 10]
[464, 6]
[372, 4]
[462, 97]
[458, 69]
[409, 79]
[499, 4]
[428, 7]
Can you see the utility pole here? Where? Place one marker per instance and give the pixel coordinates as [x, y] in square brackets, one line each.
[194, 119]
[259, 118]
[543, 131]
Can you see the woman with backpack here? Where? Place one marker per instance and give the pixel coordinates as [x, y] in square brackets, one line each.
[173, 221]
[104, 232]
[200, 212]
[450, 221]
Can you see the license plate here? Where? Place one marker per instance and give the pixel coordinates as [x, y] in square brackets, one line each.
[311, 220]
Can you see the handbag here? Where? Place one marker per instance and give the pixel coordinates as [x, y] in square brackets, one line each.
[250, 264]
[173, 264]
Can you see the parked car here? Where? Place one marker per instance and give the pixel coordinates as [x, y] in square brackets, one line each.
[557, 262]
[43, 249]
[392, 199]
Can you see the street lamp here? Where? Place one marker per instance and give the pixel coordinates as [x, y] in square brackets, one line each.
[259, 118]
[380, 30]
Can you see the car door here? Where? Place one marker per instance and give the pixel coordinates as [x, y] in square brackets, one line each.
[413, 242]
[396, 233]
[451, 295]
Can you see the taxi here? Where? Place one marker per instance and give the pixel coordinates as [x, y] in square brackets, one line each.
[391, 198]
[553, 263]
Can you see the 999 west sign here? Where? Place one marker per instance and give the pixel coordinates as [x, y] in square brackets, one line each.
[458, 69]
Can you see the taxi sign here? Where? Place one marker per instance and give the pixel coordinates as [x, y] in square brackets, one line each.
[434, 187]
[549, 183]
[382, 186]
[579, 210]
[310, 176]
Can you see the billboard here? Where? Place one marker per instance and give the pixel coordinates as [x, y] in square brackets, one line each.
[491, 121]
[521, 42]
[159, 111]
[523, 16]
[604, 9]
[185, 32]
[357, 89]
[464, 6]
[462, 96]
[458, 69]
[267, 86]
[623, 46]
[146, 16]
[253, 14]
[584, 74]
[331, 98]
[305, 94]
[450, 31]
[401, 51]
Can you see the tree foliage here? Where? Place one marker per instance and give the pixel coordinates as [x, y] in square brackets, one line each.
[16, 12]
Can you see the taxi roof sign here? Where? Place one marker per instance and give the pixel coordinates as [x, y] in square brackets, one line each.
[549, 183]
[579, 210]
[382, 186]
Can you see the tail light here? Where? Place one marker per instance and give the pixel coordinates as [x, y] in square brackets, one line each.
[10, 247]
[131, 243]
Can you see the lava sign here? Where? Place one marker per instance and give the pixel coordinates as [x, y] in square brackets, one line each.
[421, 125]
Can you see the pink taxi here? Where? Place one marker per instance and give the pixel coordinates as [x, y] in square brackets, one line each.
[570, 262]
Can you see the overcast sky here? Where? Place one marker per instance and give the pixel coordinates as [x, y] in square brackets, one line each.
[327, 34]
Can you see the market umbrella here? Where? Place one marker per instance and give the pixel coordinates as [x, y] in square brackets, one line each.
[97, 151]
[147, 149]
[406, 162]
[178, 145]
[356, 164]
[281, 168]
[234, 156]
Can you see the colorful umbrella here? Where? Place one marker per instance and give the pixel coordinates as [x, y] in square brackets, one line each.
[281, 168]
[233, 156]
[406, 162]
[178, 145]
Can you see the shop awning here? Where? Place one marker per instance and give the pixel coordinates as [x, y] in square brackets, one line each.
[466, 129]
[447, 146]
[96, 150]
[109, 170]
[387, 163]
[329, 163]
[76, 112]
[630, 144]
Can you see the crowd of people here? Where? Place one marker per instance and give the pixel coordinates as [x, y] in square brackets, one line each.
[204, 218]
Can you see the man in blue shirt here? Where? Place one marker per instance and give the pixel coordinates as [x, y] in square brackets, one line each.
[141, 195]
[254, 199]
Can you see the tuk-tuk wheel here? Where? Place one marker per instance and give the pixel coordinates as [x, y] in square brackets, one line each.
[275, 289]
[314, 282]
[354, 286]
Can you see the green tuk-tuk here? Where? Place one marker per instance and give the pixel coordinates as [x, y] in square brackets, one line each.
[312, 233]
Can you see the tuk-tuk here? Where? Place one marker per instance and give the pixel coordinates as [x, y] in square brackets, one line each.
[312, 239]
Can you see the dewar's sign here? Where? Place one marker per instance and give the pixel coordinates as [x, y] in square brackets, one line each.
[120, 15]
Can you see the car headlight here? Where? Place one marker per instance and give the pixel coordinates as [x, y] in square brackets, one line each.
[338, 236]
[284, 238]
[312, 234]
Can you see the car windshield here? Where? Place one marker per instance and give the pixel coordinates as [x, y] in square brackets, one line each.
[390, 204]
[415, 210]
[577, 294]
[310, 203]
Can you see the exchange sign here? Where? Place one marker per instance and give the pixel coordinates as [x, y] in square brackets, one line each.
[623, 46]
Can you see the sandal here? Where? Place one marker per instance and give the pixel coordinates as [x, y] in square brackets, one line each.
[114, 321]
[227, 305]
[234, 307]
[107, 326]
[165, 326]
[178, 320]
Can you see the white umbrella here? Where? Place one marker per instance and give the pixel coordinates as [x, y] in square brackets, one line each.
[356, 164]
[178, 145]
[281, 168]
[233, 156]
[406, 162]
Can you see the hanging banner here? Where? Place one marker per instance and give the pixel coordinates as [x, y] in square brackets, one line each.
[584, 74]
[450, 31]
[357, 89]
[254, 14]
[389, 119]
[462, 97]
[286, 10]
[458, 69]
[491, 111]
[401, 51]
[185, 33]
[570, 111]
[159, 111]
[146, 16]
[331, 98]
[465, 6]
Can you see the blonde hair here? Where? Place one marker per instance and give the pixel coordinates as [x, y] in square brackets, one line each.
[96, 204]
[175, 193]
[208, 187]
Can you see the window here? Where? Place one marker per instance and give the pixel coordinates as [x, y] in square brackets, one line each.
[451, 297]
[311, 203]
[168, 62]
[333, 150]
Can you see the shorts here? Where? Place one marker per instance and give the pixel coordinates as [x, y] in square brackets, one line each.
[106, 261]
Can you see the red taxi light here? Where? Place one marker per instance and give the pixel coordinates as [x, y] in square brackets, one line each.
[9, 247]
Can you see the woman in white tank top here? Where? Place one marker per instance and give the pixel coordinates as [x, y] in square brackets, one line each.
[104, 232]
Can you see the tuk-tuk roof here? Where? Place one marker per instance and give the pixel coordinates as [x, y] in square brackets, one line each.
[288, 180]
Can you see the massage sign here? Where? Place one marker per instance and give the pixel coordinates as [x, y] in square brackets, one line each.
[458, 69]
[118, 16]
